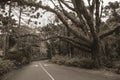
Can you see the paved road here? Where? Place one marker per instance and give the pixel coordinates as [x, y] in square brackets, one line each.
[42, 70]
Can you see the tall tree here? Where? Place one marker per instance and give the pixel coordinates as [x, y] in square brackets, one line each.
[84, 25]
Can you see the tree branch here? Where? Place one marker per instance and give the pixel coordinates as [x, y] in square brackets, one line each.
[67, 5]
[61, 17]
[55, 4]
[97, 16]
[81, 9]
[110, 32]
[72, 18]
[78, 44]
[26, 35]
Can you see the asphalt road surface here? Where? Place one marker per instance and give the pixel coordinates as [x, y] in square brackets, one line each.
[43, 70]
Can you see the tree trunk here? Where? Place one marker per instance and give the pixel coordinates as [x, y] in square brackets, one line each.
[4, 44]
[96, 53]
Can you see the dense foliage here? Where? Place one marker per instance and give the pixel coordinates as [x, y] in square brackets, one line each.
[6, 66]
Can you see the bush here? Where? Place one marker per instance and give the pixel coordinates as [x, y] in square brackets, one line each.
[87, 63]
[75, 61]
[6, 66]
[118, 69]
[58, 59]
[116, 66]
[81, 62]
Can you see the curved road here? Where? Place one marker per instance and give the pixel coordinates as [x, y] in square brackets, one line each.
[42, 70]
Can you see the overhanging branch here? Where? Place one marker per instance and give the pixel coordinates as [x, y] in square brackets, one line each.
[61, 17]
[72, 18]
[109, 32]
[81, 45]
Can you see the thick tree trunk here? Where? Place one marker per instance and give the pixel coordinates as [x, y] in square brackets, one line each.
[96, 53]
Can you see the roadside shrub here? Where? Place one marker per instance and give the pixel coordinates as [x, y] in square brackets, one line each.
[108, 64]
[117, 67]
[6, 66]
[87, 63]
[75, 61]
[58, 59]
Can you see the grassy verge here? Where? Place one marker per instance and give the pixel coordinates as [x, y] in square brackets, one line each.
[83, 62]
